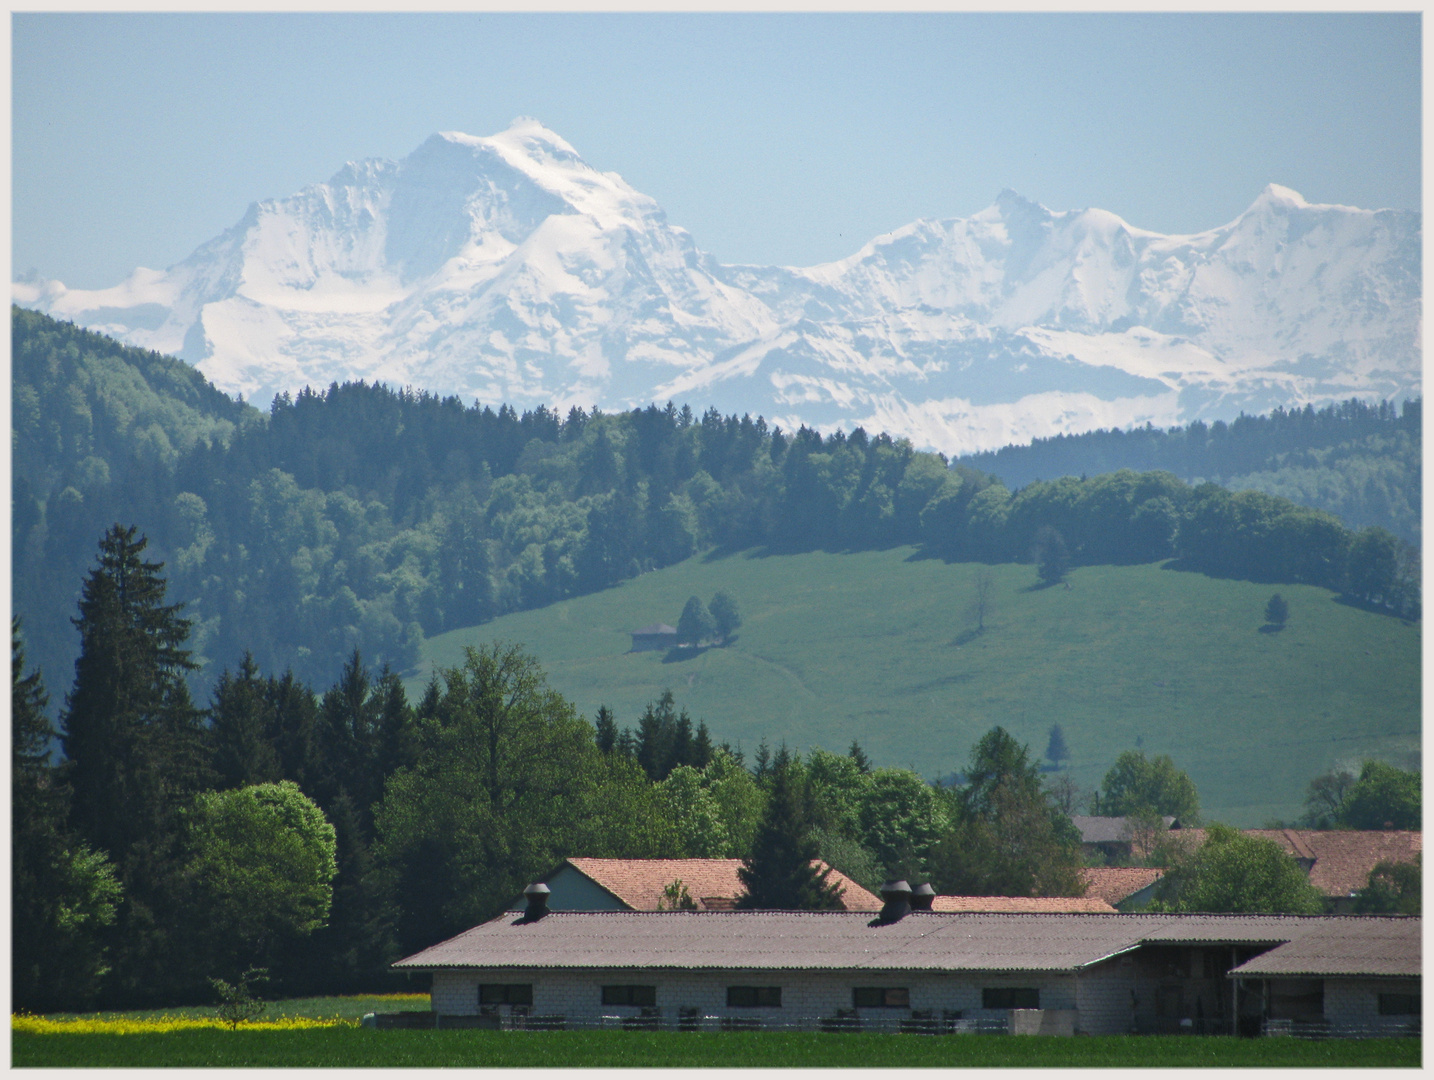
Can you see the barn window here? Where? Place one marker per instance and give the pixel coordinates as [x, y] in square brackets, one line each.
[881, 997]
[629, 995]
[1400, 1004]
[1009, 997]
[505, 993]
[754, 997]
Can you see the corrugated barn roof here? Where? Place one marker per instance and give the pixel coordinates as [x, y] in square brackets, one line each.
[922, 941]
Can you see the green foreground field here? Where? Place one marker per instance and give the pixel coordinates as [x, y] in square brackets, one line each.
[881, 647]
[366, 1048]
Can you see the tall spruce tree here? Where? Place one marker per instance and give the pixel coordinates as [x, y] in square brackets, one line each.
[779, 872]
[132, 736]
[136, 757]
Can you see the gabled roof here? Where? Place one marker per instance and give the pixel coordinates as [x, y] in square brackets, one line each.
[1108, 830]
[655, 628]
[1343, 858]
[751, 941]
[712, 883]
[1116, 883]
[1021, 903]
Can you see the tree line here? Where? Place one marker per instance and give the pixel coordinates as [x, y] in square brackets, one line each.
[363, 517]
[1358, 460]
[315, 837]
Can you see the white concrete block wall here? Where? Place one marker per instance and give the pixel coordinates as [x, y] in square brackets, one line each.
[1353, 1004]
[1103, 1000]
[805, 995]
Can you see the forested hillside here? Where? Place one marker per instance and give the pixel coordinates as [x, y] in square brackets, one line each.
[1360, 461]
[365, 517]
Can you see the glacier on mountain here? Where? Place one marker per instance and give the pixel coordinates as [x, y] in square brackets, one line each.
[506, 269]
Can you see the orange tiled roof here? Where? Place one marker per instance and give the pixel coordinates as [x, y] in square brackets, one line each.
[1114, 883]
[1343, 858]
[713, 883]
[1055, 904]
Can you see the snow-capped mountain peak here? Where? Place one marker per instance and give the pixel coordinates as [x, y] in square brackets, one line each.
[505, 268]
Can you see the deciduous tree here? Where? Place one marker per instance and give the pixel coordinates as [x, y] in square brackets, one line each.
[1136, 783]
[261, 863]
[1232, 872]
[1382, 798]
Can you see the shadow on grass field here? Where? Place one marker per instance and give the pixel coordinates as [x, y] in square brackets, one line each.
[366, 1048]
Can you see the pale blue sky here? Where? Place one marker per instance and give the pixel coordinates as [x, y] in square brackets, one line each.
[787, 139]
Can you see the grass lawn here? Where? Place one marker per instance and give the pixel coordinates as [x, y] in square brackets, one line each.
[364, 1048]
[879, 646]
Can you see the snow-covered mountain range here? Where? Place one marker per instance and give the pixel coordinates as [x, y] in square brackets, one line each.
[506, 269]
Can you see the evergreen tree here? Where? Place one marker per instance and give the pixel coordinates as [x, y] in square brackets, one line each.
[242, 745]
[606, 730]
[762, 762]
[1056, 749]
[62, 894]
[132, 737]
[857, 754]
[136, 758]
[779, 873]
[702, 748]
[657, 736]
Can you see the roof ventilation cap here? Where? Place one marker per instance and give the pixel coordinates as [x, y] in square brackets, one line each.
[537, 894]
[921, 897]
[896, 901]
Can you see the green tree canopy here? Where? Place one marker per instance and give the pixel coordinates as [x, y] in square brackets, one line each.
[261, 862]
[501, 789]
[901, 817]
[1277, 610]
[1136, 783]
[695, 624]
[1232, 872]
[1394, 888]
[725, 616]
[1382, 798]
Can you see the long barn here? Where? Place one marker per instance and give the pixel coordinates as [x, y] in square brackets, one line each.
[931, 971]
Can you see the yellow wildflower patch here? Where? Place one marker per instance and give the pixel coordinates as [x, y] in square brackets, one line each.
[39, 1025]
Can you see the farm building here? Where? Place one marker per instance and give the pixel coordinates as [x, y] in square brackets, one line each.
[1112, 838]
[930, 971]
[656, 636]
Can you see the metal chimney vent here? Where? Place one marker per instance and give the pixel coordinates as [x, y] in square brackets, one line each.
[537, 894]
[921, 897]
[896, 901]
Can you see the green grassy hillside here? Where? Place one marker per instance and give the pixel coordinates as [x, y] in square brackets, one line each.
[880, 646]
